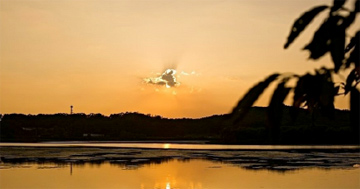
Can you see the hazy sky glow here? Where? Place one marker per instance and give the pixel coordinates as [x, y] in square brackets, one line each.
[95, 55]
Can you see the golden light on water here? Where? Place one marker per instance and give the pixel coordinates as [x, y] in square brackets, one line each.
[166, 146]
[168, 185]
[194, 174]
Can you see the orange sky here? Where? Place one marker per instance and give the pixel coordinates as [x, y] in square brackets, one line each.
[94, 54]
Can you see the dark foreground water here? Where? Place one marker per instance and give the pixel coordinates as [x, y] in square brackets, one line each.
[29, 166]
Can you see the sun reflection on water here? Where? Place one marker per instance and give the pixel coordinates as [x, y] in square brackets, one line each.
[168, 185]
[166, 146]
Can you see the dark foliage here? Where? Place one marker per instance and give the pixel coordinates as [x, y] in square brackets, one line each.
[251, 96]
[353, 42]
[308, 128]
[316, 92]
[337, 5]
[355, 110]
[301, 23]
[275, 110]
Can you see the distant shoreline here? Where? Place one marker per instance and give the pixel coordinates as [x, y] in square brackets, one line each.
[168, 145]
[139, 141]
[254, 129]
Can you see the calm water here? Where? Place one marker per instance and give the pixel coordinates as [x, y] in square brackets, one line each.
[176, 166]
[164, 145]
[172, 174]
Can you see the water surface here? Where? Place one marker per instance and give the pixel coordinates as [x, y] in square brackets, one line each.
[177, 174]
[176, 165]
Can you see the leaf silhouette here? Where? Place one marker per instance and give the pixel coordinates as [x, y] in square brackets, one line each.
[337, 5]
[275, 109]
[301, 23]
[250, 97]
[337, 47]
[354, 110]
[353, 42]
[327, 93]
[300, 93]
[316, 91]
[349, 19]
[321, 41]
[354, 56]
[349, 80]
[279, 96]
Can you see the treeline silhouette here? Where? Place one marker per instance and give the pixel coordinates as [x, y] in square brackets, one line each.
[308, 128]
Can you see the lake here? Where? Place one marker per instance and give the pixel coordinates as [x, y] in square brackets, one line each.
[170, 165]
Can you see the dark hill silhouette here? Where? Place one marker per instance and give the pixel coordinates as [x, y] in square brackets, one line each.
[252, 129]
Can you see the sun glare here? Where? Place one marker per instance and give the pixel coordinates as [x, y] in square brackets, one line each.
[166, 146]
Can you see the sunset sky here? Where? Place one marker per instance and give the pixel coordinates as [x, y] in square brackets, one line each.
[99, 55]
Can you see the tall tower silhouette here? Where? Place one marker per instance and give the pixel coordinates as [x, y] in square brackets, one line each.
[71, 109]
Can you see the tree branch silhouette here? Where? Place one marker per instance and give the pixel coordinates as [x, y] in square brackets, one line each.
[315, 91]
